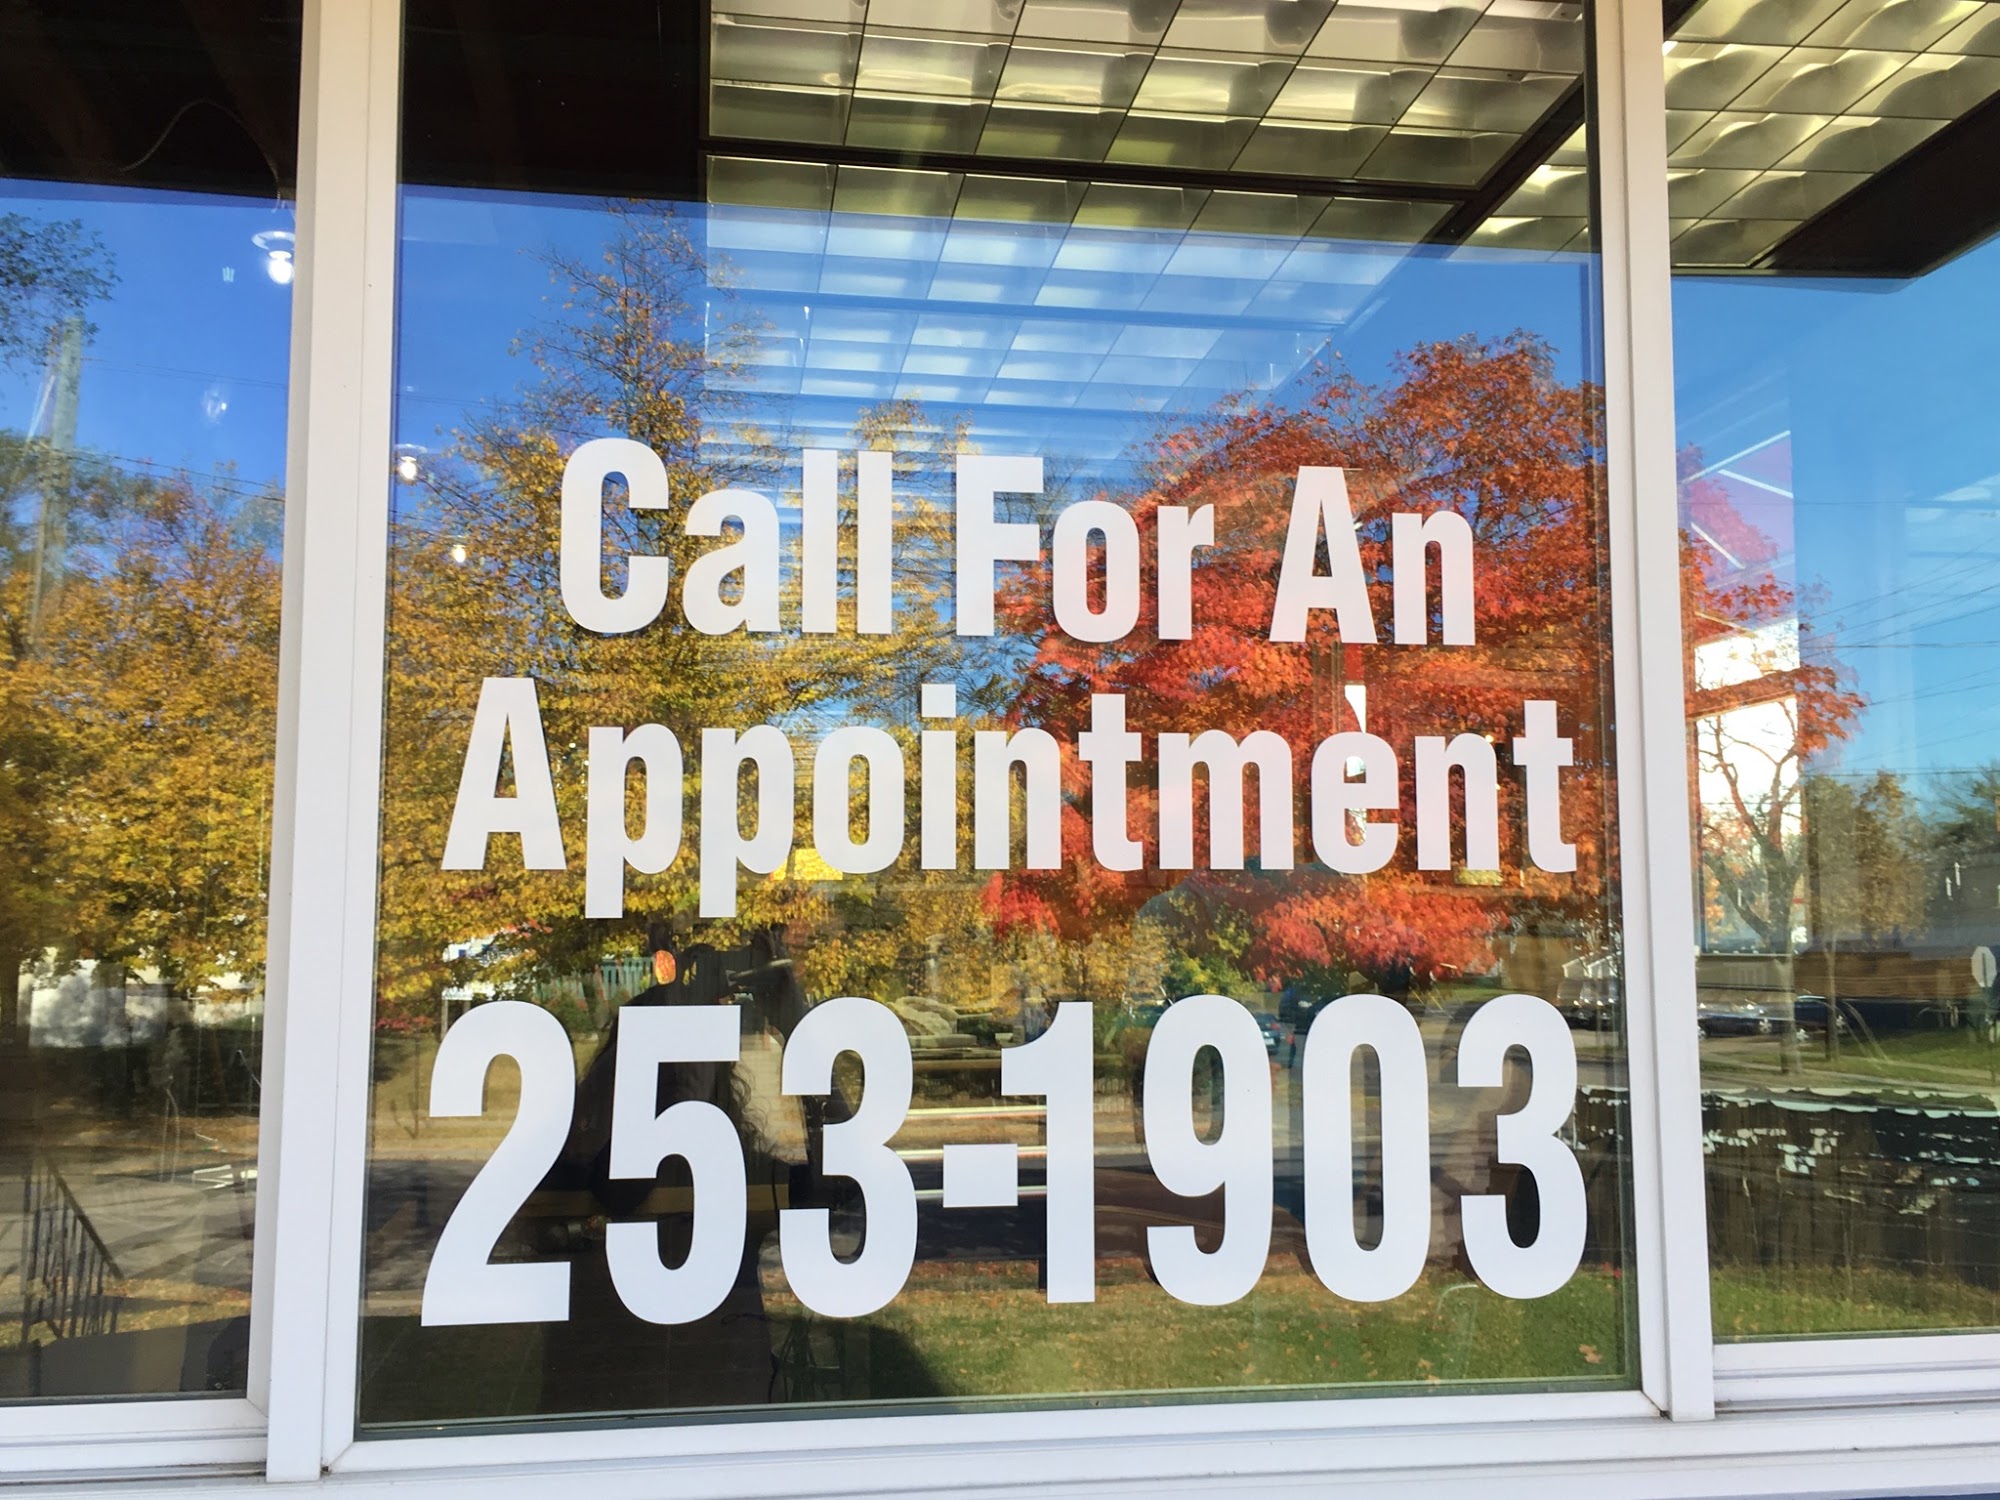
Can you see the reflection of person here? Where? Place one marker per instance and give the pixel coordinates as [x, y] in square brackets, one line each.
[1035, 1012]
[604, 1358]
[1132, 1055]
[1980, 1009]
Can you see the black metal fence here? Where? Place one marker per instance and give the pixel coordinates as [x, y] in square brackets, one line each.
[1819, 1181]
[68, 1278]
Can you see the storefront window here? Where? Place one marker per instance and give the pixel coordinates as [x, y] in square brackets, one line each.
[1832, 188]
[851, 548]
[146, 239]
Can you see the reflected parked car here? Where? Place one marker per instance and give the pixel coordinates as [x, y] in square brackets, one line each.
[1737, 1017]
[1589, 1002]
[1298, 1010]
[1280, 1040]
[1809, 1014]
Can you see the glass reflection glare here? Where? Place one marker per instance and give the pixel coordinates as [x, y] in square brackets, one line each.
[142, 421]
[1157, 346]
[1838, 502]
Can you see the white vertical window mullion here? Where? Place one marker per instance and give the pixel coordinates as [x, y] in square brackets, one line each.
[330, 690]
[1670, 1220]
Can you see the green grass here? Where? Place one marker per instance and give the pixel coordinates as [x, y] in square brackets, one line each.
[1949, 1058]
[981, 1333]
[1959, 1051]
[1752, 1302]
[984, 1332]
[978, 1333]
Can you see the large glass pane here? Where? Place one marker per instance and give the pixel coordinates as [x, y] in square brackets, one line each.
[749, 1037]
[1838, 490]
[146, 235]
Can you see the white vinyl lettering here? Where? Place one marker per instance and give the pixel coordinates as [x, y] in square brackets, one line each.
[1057, 1065]
[1108, 748]
[819, 543]
[832, 802]
[874, 542]
[754, 555]
[994, 755]
[1227, 763]
[1542, 754]
[609, 848]
[1339, 799]
[857, 1148]
[1472, 755]
[582, 554]
[508, 716]
[1071, 582]
[724, 754]
[1411, 538]
[937, 767]
[1180, 531]
[1390, 1032]
[1320, 509]
[1237, 1161]
[1527, 1138]
[463, 1284]
[982, 540]
[697, 1132]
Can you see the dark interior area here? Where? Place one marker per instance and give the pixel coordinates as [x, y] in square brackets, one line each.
[200, 95]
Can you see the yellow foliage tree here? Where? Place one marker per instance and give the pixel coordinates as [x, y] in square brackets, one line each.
[142, 720]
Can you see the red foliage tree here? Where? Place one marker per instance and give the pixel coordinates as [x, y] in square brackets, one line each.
[1483, 429]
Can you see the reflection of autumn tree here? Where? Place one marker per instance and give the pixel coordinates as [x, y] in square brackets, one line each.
[1962, 845]
[50, 273]
[1763, 699]
[1870, 853]
[641, 347]
[905, 930]
[927, 931]
[908, 930]
[139, 735]
[30, 775]
[474, 592]
[1485, 430]
[1965, 816]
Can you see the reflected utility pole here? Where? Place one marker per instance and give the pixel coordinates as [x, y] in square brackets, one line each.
[1824, 924]
[52, 510]
[51, 543]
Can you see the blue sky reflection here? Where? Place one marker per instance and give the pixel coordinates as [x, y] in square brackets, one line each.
[1870, 411]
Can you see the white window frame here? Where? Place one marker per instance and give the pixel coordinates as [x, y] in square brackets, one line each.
[86, 1439]
[1876, 1415]
[349, 147]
